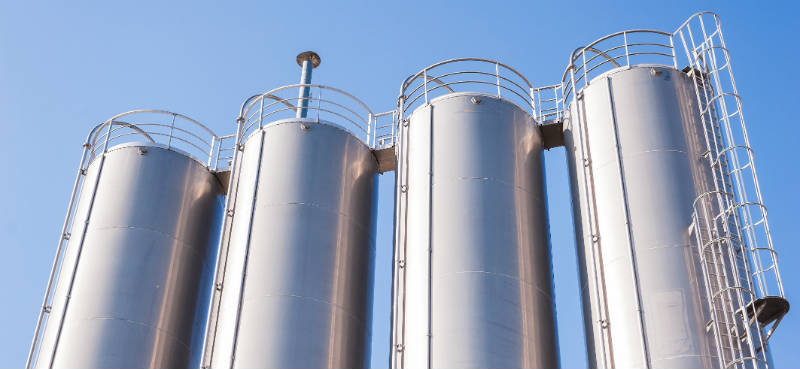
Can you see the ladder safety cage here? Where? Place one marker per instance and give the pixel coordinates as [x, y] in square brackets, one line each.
[734, 220]
[548, 103]
[170, 130]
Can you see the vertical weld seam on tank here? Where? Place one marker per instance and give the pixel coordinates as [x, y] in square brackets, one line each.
[247, 251]
[78, 257]
[430, 239]
[626, 207]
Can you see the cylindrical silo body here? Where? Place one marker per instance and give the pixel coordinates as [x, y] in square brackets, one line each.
[473, 283]
[134, 287]
[297, 273]
[635, 144]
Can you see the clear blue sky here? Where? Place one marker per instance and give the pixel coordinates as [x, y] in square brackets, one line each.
[67, 66]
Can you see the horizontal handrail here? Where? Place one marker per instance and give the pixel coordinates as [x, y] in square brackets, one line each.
[173, 130]
[450, 76]
[340, 108]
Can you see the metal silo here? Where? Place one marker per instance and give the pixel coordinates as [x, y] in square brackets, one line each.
[676, 260]
[132, 275]
[294, 275]
[472, 279]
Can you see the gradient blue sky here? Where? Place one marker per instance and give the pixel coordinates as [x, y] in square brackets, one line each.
[65, 66]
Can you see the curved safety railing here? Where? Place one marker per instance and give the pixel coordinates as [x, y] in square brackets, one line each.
[171, 130]
[621, 49]
[548, 103]
[749, 293]
[466, 75]
[323, 104]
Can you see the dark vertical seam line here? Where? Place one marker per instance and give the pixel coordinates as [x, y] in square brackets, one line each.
[405, 146]
[430, 241]
[247, 250]
[628, 225]
[594, 230]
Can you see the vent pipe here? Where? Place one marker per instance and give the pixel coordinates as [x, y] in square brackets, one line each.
[308, 60]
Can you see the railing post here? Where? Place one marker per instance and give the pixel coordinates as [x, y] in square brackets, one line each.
[260, 112]
[171, 130]
[395, 114]
[108, 136]
[627, 54]
[672, 48]
[211, 152]
[370, 140]
[585, 73]
[425, 84]
[497, 77]
[319, 102]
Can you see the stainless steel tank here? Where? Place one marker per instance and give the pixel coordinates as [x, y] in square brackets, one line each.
[134, 285]
[295, 270]
[473, 280]
[635, 144]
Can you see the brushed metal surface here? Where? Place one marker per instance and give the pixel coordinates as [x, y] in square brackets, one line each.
[143, 281]
[306, 215]
[476, 287]
[635, 148]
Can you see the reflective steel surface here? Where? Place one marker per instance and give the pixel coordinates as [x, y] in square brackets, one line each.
[635, 149]
[297, 290]
[142, 284]
[473, 280]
